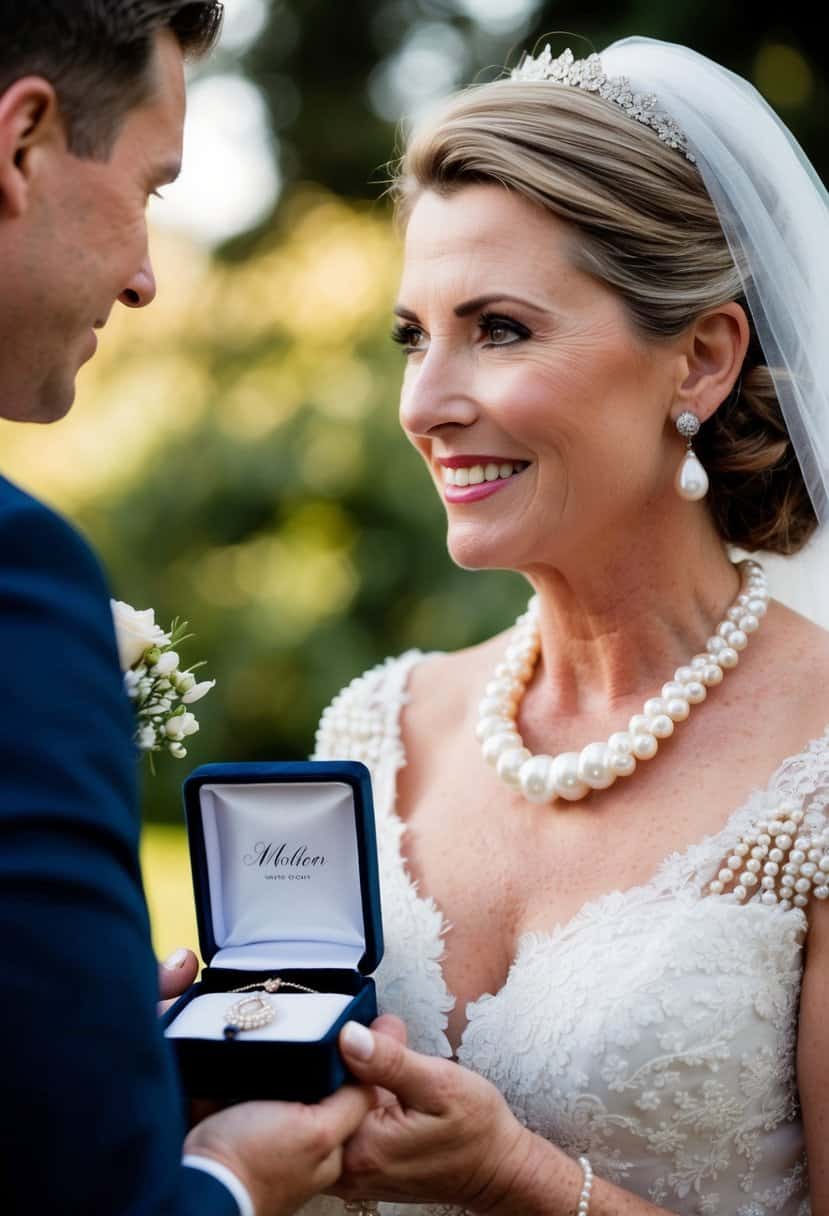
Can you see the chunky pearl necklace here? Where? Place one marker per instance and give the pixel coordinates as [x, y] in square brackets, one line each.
[572, 775]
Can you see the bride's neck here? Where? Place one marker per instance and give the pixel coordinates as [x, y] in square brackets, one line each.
[618, 625]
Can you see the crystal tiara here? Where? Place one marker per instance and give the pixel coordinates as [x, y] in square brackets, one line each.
[587, 74]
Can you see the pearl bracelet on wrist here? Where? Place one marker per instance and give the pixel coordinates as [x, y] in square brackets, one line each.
[587, 1186]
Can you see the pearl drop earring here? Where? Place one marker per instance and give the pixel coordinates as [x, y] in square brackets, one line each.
[691, 479]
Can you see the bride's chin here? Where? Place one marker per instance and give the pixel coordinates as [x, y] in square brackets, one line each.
[472, 552]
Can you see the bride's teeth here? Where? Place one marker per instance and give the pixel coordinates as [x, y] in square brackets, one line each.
[473, 475]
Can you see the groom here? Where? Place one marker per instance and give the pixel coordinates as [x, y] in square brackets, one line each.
[91, 113]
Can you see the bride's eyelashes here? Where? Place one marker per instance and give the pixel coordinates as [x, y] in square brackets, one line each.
[407, 336]
[497, 329]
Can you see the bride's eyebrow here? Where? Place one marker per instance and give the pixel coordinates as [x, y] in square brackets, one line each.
[406, 314]
[473, 306]
[480, 302]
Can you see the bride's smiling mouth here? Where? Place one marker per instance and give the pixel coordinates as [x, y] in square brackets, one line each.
[470, 478]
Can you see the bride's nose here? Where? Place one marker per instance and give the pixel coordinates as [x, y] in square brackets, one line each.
[436, 393]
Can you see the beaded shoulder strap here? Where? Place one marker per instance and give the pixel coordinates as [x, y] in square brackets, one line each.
[784, 859]
[363, 721]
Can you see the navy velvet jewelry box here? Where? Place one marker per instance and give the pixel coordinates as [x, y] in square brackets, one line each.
[284, 861]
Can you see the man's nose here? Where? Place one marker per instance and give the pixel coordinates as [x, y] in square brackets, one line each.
[141, 289]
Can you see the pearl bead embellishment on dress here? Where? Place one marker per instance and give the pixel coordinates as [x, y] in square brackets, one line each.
[572, 775]
[784, 860]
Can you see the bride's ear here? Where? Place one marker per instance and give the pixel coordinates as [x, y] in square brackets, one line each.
[715, 346]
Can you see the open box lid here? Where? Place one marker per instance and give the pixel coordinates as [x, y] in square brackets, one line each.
[284, 860]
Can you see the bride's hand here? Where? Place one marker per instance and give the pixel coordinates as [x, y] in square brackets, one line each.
[447, 1135]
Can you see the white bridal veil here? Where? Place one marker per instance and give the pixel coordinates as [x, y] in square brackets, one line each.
[775, 214]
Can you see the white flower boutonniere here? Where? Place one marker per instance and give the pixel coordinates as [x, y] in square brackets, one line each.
[154, 682]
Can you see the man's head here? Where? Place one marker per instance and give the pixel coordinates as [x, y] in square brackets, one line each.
[91, 117]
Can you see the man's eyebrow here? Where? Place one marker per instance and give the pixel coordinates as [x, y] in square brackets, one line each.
[472, 306]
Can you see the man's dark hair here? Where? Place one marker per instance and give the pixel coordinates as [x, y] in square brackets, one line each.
[96, 54]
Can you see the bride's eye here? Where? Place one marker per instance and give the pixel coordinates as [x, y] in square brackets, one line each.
[410, 337]
[502, 331]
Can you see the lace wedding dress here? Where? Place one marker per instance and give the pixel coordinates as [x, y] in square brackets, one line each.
[655, 1031]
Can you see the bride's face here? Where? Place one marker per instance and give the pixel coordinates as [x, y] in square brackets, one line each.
[542, 416]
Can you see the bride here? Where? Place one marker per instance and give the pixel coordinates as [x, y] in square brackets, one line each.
[604, 837]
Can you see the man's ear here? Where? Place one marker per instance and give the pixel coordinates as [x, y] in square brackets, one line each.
[715, 347]
[30, 125]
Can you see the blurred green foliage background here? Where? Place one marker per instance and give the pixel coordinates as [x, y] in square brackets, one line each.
[234, 452]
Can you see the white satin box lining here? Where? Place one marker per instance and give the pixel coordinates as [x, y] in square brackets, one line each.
[299, 1017]
[282, 860]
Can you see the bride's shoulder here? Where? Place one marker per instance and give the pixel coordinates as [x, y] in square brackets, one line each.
[445, 690]
[801, 644]
[795, 665]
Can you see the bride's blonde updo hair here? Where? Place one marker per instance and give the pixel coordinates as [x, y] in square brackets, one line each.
[647, 229]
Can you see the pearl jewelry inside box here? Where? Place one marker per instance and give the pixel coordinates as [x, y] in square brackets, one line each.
[284, 863]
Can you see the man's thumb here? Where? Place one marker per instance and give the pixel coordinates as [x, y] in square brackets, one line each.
[176, 974]
[379, 1059]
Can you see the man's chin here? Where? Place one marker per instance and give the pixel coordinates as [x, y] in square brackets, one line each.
[54, 405]
[39, 399]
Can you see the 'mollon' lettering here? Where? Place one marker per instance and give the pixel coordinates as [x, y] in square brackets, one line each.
[266, 853]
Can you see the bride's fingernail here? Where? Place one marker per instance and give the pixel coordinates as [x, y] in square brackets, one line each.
[358, 1041]
[177, 959]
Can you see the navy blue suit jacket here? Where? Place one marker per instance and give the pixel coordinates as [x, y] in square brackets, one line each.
[90, 1111]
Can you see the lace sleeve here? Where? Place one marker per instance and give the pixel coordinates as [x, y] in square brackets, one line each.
[784, 858]
[804, 778]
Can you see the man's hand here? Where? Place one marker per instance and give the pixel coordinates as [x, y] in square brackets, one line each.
[175, 975]
[283, 1152]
